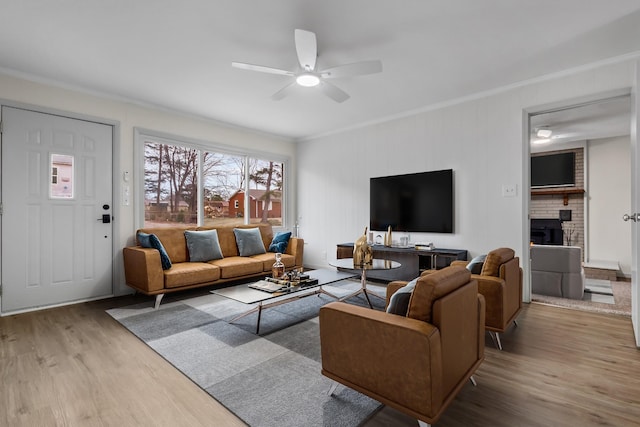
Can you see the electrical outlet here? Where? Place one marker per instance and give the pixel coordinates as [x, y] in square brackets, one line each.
[509, 190]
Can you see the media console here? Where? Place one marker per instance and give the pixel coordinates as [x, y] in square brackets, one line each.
[414, 261]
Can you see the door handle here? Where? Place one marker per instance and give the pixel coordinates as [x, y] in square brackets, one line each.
[106, 219]
[633, 217]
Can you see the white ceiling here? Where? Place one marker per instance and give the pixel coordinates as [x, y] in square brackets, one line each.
[177, 54]
[605, 118]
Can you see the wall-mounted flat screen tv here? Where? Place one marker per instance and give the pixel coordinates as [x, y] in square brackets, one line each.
[417, 202]
[553, 170]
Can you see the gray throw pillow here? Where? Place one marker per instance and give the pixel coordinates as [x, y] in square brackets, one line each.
[475, 265]
[399, 301]
[203, 245]
[249, 241]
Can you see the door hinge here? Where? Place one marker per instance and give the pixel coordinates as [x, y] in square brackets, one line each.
[1, 209]
[1, 126]
[0, 290]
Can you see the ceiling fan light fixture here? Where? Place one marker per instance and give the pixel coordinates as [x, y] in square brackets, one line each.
[308, 80]
[543, 133]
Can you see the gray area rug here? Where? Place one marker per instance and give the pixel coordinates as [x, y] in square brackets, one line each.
[268, 380]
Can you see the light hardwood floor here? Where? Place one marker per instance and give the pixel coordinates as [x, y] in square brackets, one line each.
[76, 366]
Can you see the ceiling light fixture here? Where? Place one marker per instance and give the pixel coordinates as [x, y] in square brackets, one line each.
[543, 133]
[308, 80]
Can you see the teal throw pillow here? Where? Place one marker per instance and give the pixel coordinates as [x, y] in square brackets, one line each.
[152, 241]
[280, 242]
[399, 301]
[249, 241]
[203, 245]
[143, 240]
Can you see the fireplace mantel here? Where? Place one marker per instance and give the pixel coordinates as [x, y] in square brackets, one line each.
[565, 192]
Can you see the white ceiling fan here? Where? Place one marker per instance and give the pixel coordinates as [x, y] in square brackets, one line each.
[308, 76]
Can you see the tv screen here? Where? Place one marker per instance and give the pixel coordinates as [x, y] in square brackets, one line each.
[418, 202]
[553, 170]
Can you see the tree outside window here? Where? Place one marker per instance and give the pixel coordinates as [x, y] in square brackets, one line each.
[175, 176]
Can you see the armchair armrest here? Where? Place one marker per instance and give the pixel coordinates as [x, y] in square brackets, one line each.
[390, 358]
[296, 249]
[143, 269]
[459, 263]
[494, 291]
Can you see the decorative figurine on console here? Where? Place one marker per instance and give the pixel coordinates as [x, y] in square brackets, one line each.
[362, 252]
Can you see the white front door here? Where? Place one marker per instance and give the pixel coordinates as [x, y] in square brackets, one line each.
[57, 204]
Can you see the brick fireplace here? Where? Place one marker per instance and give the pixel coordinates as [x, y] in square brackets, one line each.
[546, 205]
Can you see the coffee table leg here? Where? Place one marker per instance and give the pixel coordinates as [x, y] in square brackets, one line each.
[259, 315]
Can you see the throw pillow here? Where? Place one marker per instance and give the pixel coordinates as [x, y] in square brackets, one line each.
[280, 242]
[152, 241]
[143, 240]
[203, 245]
[475, 265]
[249, 241]
[399, 301]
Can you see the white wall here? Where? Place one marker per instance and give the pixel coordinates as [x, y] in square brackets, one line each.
[128, 116]
[482, 140]
[608, 198]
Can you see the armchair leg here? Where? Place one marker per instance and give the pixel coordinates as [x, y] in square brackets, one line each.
[423, 424]
[473, 381]
[496, 339]
[332, 389]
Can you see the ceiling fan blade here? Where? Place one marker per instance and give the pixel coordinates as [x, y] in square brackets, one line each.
[261, 68]
[333, 92]
[306, 48]
[285, 91]
[350, 70]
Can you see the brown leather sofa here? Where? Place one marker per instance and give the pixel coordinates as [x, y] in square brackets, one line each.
[144, 272]
[500, 282]
[415, 363]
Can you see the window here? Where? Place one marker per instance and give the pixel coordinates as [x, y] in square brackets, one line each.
[190, 184]
[61, 166]
[170, 184]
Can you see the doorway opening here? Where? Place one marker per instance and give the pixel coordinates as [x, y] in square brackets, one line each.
[580, 186]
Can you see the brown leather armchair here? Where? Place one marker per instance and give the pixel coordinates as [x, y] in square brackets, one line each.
[415, 363]
[500, 282]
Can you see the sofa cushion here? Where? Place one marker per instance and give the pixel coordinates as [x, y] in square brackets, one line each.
[399, 301]
[190, 273]
[249, 241]
[151, 241]
[280, 242]
[203, 245]
[431, 287]
[236, 266]
[495, 259]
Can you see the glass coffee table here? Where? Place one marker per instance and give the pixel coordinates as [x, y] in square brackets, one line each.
[246, 295]
[376, 264]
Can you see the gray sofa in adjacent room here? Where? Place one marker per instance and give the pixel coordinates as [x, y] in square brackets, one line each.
[557, 271]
